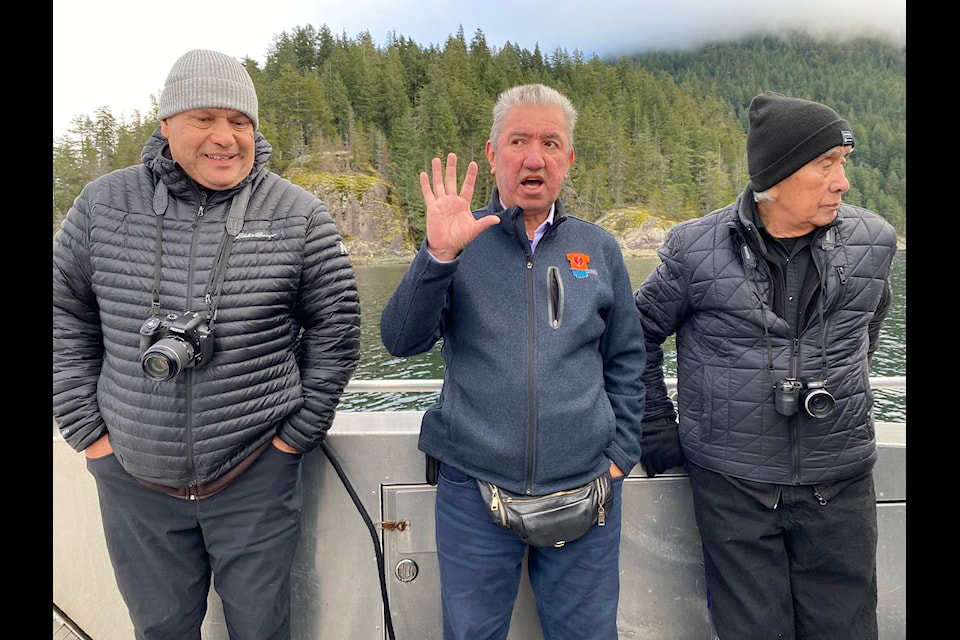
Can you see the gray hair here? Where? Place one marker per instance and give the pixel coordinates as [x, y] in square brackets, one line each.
[538, 94]
[763, 196]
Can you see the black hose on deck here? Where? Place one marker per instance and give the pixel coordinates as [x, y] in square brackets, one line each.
[373, 534]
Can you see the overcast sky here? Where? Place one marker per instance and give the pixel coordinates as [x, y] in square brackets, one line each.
[116, 53]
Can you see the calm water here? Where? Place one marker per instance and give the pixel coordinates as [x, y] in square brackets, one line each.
[377, 282]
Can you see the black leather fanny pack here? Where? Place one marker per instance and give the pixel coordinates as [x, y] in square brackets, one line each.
[554, 519]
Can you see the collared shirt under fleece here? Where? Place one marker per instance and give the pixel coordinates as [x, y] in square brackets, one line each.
[543, 353]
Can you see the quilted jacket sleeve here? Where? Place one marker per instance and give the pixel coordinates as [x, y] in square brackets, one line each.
[661, 304]
[328, 310]
[77, 338]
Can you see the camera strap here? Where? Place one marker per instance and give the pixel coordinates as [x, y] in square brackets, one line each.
[234, 223]
[238, 209]
[160, 201]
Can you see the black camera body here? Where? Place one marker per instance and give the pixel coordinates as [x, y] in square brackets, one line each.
[171, 343]
[811, 393]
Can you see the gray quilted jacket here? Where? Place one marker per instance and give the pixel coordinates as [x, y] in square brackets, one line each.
[715, 295]
[286, 334]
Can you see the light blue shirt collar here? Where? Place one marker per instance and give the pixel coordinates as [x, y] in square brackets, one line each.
[542, 229]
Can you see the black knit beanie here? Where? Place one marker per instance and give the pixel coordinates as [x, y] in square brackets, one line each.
[787, 133]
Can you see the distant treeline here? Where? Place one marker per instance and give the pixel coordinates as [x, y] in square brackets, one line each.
[661, 132]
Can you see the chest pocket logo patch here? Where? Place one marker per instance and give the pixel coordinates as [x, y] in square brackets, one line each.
[578, 264]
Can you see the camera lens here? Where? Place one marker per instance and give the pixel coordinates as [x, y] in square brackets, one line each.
[166, 358]
[818, 402]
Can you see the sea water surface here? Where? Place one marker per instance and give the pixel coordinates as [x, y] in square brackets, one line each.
[376, 284]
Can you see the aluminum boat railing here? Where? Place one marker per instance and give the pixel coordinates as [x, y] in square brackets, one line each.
[432, 385]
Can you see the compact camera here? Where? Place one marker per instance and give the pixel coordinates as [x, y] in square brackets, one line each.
[810, 393]
[171, 343]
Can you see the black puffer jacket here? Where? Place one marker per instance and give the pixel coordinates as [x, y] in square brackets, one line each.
[288, 272]
[716, 297]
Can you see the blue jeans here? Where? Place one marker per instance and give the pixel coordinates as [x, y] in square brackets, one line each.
[576, 587]
[164, 549]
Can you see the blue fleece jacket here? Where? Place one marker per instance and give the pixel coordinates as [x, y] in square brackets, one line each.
[543, 353]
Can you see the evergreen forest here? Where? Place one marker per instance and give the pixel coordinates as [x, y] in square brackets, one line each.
[659, 133]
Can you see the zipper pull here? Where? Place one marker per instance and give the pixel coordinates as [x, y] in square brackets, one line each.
[842, 274]
[816, 494]
[495, 504]
[602, 512]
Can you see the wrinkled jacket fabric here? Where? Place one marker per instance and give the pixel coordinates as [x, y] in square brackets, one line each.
[543, 353]
[713, 290]
[286, 333]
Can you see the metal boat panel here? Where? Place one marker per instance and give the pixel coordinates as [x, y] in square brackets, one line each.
[336, 580]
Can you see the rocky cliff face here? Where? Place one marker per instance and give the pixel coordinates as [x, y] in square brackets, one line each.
[639, 233]
[373, 227]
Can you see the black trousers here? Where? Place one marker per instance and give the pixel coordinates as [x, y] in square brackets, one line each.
[164, 549]
[801, 571]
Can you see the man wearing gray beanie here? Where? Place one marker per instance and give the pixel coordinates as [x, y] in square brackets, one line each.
[776, 302]
[208, 79]
[205, 323]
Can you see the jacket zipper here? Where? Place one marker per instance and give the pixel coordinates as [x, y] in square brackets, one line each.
[531, 376]
[188, 374]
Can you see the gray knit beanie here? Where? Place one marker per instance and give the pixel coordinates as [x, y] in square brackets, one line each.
[787, 133]
[208, 79]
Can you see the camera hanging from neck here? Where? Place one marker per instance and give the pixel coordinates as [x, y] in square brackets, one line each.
[238, 209]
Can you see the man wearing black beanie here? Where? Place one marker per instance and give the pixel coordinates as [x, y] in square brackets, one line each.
[776, 302]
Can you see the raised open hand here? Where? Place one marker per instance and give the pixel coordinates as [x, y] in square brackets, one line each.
[450, 222]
